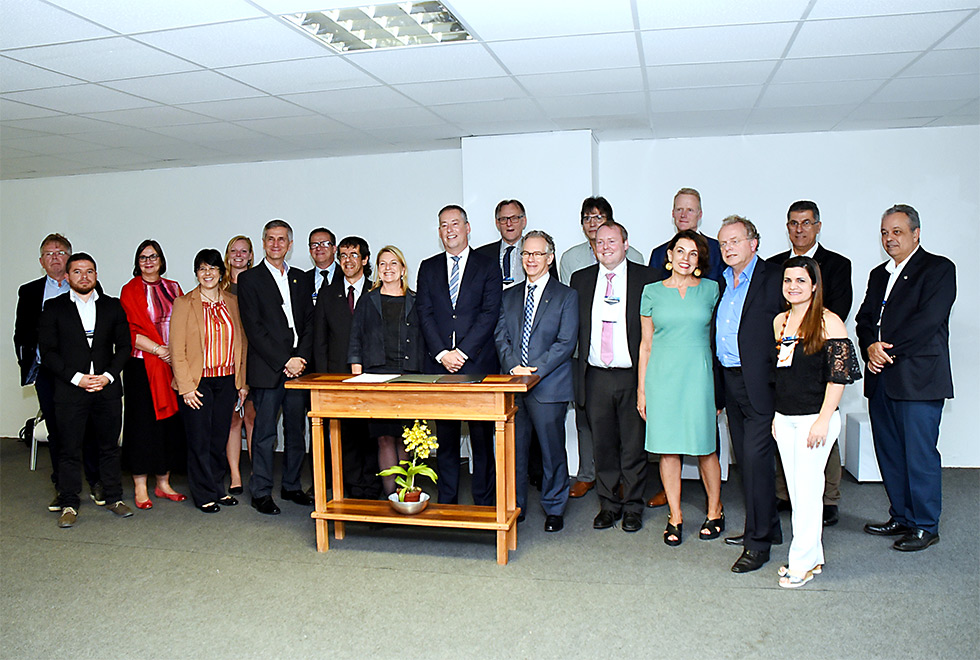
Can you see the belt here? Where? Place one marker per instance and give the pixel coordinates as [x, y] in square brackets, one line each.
[733, 370]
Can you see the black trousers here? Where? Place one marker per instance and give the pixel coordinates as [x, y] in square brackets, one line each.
[207, 436]
[360, 464]
[103, 413]
[44, 388]
[268, 402]
[447, 460]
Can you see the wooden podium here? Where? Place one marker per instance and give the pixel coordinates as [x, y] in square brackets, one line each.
[492, 399]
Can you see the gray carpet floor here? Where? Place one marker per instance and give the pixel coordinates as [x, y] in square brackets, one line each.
[175, 583]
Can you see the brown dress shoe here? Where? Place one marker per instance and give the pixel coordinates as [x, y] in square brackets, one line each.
[660, 499]
[580, 488]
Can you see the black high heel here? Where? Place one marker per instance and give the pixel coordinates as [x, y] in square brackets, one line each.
[712, 529]
[675, 531]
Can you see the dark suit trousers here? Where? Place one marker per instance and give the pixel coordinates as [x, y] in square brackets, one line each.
[44, 388]
[755, 451]
[207, 436]
[547, 420]
[617, 434]
[104, 415]
[447, 460]
[906, 434]
[268, 401]
[361, 480]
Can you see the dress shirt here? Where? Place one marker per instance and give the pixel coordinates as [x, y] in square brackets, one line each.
[463, 257]
[318, 277]
[894, 270]
[358, 287]
[282, 281]
[539, 286]
[730, 314]
[516, 268]
[86, 312]
[615, 312]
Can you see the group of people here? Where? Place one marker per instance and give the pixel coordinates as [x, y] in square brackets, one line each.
[649, 354]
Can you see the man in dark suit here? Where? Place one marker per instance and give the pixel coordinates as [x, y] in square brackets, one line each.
[803, 225]
[536, 334]
[323, 249]
[903, 332]
[31, 297]
[686, 214]
[277, 312]
[742, 339]
[458, 303]
[331, 339]
[84, 342]
[608, 351]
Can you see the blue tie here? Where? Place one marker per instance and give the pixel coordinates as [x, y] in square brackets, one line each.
[454, 282]
[528, 316]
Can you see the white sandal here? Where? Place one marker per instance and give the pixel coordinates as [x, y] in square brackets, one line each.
[790, 581]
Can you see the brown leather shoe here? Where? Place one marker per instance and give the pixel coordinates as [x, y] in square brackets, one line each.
[660, 499]
[580, 488]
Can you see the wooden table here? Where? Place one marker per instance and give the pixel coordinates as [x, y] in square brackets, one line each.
[489, 400]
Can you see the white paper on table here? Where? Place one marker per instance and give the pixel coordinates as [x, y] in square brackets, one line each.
[371, 378]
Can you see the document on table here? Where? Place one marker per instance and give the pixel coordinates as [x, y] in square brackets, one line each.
[371, 378]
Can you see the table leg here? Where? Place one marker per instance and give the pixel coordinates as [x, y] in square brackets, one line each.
[337, 462]
[502, 544]
[319, 492]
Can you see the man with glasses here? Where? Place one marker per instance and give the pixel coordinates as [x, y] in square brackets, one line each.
[323, 249]
[511, 220]
[803, 225]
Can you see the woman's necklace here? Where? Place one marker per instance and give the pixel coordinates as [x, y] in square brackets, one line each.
[218, 298]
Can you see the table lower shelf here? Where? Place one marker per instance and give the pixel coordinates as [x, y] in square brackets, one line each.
[435, 515]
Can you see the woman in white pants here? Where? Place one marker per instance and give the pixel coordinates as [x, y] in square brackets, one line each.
[814, 360]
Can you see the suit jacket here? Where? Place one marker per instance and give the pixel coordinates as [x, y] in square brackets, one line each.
[187, 332]
[367, 334]
[474, 318]
[65, 350]
[763, 301]
[583, 281]
[715, 268]
[332, 320]
[554, 332]
[269, 337]
[492, 250]
[916, 322]
[311, 274]
[835, 269]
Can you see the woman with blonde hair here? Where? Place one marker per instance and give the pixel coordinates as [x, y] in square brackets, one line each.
[238, 258]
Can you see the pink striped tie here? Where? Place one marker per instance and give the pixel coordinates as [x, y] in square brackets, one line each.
[606, 343]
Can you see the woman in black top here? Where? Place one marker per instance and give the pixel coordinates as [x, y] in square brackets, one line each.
[385, 339]
[814, 359]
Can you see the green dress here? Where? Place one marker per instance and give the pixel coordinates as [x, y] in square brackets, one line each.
[679, 379]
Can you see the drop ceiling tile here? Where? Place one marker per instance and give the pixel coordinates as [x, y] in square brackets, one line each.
[206, 133]
[78, 99]
[232, 44]
[946, 62]
[127, 16]
[50, 145]
[35, 166]
[966, 36]
[904, 109]
[296, 76]
[701, 98]
[512, 110]
[603, 123]
[709, 75]
[791, 95]
[16, 76]
[151, 117]
[495, 20]
[462, 91]
[507, 127]
[260, 107]
[282, 126]
[577, 82]
[384, 117]
[716, 44]
[698, 123]
[259, 147]
[428, 63]
[58, 124]
[579, 53]
[186, 152]
[880, 34]
[823, 117]
[98, 60]
[660, 15]
[848, 67]
[971, 107]
[396, 135]
[11, 152]
[854, 8]
[345, 100]
[125, 138]
[35, 23]
[10, 132]
[882, 124]
[117, 158]
[191, 87]
[594, 105]
[937, 88]
[956, 120]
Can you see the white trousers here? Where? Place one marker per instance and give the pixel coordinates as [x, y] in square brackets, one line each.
[804, 468]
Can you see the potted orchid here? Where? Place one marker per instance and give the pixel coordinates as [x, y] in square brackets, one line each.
[419, 443]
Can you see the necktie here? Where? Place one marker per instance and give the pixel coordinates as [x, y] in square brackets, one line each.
[325, 274]
[528, 316]
[454, 282]
[507, 275]
[606, 343]
[350, 297]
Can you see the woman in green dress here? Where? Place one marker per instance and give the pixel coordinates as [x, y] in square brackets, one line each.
[675, 393]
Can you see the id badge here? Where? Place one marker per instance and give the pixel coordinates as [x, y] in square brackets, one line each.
[785, 356]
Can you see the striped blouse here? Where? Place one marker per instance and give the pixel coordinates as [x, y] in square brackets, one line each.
[219, 344]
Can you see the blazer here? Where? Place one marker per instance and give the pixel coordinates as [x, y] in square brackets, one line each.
[763, 301]
[716, 265]
[916, 322]
[187, 340]
[474, 318]
[554, 332]
[367, 333]
[583, 281]
[268, 333]
[492, 250]
[332, 320]
[311, 274]
[835, 270]
[65, 350]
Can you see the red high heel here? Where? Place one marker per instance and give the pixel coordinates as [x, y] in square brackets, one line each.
[176, 497]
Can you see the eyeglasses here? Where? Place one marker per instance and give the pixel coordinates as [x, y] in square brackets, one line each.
[793, 224]
[732, 243]
[349, 255]
[315, 244]
[537, 255]
[208, 269]
[510, 219]
[56, 253]
[148, 257]
[599, 217]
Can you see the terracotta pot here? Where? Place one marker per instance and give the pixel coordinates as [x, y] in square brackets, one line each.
[413, 495]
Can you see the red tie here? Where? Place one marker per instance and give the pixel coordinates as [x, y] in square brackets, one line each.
[350, 297]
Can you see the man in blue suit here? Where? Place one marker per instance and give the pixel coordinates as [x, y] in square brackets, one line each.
[458, 303]
[536, 334]
[686, 214]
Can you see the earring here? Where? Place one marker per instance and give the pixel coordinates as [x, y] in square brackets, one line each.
[668, 266]
[697, 272]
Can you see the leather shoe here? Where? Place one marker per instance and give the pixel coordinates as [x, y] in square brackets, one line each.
[890, 528]
[520, 517]
[210, 507]
[297, 496]
[751, 560]
[660, 499]
[228, 500]
[632, 522]
[580, 488]
[553, 523]
[606, 519]
[917, 539]
[783, 505]
[266, 505]
[735, 540]
[831, 515]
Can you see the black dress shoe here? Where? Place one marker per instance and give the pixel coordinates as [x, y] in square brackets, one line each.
[632, 522]
[890, 528]
[751, 560]
[917, 539]
[735, 540]
[266, 505]
[228, 500]
[297, 496]
[520, 517]
[236, 490]
[554, 523]
[783, 505]
[831, 515]
[606, 519]
[210, 507]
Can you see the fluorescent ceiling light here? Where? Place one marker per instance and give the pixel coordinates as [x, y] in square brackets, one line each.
[372, 27]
